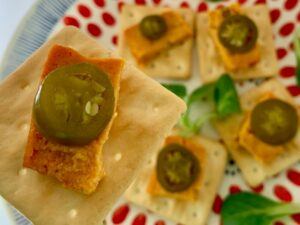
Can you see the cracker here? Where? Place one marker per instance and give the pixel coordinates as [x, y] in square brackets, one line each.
[191, 212]
[253, 171]
[211, 65]
[146, 114]
[174, 63]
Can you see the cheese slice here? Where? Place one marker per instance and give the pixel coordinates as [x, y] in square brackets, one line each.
[232, 61]
[262, 151]
[154, 187]
[77, 167]
[144, 49]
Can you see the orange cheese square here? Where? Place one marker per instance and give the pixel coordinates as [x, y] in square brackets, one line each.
[232, 61]
[261, 151]
[77, 167]
[144, 49]
[154, 187]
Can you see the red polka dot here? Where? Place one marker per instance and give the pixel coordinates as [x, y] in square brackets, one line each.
[258, 189]
[217, 204]
[278, 223]
[94, 29]
[140, 2]
[287, 71]
[108, 19]
[294, 176]
[140, 219]
[114, 40]
[202, 7]
[298, 17]
[84, 11]
[282, 193]
[274, 14]
[290, 4]
[120, 214]
[287, 29]
[120, 6]
[281, 53]
[100, 3]
[296, 218]
[184, 5]
[159, 222]
[234, 189]
[260, 2]
[156, 1]
[71, 21]
[294, 90]
[242, 1]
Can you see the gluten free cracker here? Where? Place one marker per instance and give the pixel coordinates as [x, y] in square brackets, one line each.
[210, 63]
[254, 171]
[142, 103]
[185, 212]
[173, 63]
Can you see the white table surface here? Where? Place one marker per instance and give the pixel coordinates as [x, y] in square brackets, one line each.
[11, 13]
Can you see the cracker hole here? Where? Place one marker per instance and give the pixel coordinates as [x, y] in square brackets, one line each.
[137, 190]
[216, 153]
[118, 157]
[257, 13]
[23, 172]
[254, 170]
[152, 65]
[179, 67]
[207, 183]
[73, 213]
[195, 215]
[149, 162]
[104, 222]
[24, 86]
[130, 15]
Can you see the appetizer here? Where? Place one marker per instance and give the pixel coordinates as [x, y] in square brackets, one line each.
[72, 113]
[115, 147]
[264, 138]
[157, 40]
[177, 182]
[237, 40]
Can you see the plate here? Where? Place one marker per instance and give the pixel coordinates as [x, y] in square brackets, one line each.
[99, 19]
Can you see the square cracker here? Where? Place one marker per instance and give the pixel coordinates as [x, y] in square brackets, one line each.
[253, 171]
[211, 65]
[174, 63]
[146, 114]
[191, 212]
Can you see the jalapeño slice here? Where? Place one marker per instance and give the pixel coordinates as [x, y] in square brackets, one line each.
[238, 33]
[274, 121]
[74, 104]
[153, 27]
[177, 168]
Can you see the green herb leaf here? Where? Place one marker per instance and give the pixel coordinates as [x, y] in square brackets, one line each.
[177, 89]
[297, 54]
[252, 209]
[226, 97]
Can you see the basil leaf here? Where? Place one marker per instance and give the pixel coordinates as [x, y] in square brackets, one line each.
[297, 54]
[247, 208]
[199, 95]
[177, 89]
[226, 97]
